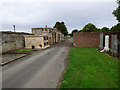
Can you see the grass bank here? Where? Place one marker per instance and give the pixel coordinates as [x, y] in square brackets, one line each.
[26, 50]
[88, 68]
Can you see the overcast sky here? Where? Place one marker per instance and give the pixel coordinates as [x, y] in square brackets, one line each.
[38, 13]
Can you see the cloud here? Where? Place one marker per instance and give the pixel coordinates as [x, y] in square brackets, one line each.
[26, 15]
[57, 0]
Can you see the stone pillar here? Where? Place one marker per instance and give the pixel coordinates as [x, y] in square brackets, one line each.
[106, 43]
[114, 46]
[101, 41]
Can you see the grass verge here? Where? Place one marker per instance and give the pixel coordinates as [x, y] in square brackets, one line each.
[26, 50]
[88, 68]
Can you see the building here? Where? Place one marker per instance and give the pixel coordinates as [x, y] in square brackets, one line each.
[54, 36]
[42, 37]
[36, 41]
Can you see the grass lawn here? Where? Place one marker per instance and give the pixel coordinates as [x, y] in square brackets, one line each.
[26, 50]
[88, 68]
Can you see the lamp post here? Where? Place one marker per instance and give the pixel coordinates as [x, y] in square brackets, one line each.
[14, 27]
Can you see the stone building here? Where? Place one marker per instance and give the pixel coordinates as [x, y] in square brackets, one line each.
[54, 36]
[42, 37]
[36, 41]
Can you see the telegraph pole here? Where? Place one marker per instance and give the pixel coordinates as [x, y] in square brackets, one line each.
[14, 27]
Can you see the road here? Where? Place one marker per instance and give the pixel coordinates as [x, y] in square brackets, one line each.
[41, 69]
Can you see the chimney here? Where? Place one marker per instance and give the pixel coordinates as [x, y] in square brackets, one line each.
[46, 26]
[14, 27]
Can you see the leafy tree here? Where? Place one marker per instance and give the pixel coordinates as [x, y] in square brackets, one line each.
[57, 25]
[105, 29]
[98, 30]
[80, 30]
[117, 11]
[75, 30]
[70, 34]
[116, 28]
[89, 28]
[61, 26]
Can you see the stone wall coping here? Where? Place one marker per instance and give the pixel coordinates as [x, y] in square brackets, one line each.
[35, 35]
[46, 28]
[9, 32]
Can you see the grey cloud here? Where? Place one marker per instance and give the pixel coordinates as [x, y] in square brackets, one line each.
[75, 15]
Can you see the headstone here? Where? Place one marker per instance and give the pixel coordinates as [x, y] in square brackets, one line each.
[101, 41]
[106, 43]
[114, 46]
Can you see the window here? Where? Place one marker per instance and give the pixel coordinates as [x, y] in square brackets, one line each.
[44, 44]
[40, 45]
[44, 38]
[33, 47]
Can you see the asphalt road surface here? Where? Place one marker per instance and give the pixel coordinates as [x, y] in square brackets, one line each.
[42, 69]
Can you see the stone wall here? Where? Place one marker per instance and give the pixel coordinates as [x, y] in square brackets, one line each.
[12, 41]
[86, 39]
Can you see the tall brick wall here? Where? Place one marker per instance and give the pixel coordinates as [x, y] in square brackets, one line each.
[86, 39]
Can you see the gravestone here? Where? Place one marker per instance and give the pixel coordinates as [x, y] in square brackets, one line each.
[101, 41]
[114, 46]
[106, 43]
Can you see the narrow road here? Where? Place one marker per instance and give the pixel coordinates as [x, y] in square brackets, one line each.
[42, 69]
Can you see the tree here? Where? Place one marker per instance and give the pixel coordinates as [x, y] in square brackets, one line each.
[89, 28]
[75, 30]
[116, 28]
[61, 27]
[117, 11]
[80, 30]
[105, 29]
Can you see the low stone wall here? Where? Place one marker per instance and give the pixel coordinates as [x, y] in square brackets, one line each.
[12, 41]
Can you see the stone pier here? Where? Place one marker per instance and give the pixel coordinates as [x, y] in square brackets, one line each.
[114, 46]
